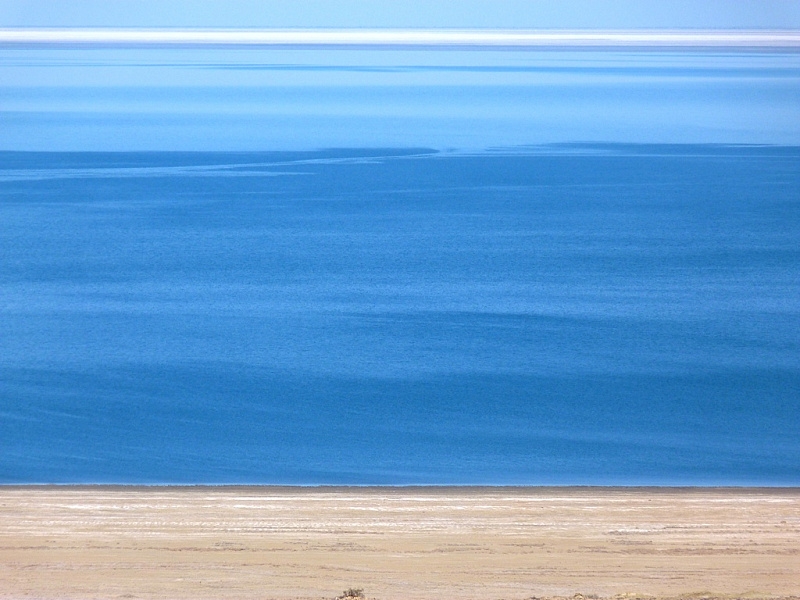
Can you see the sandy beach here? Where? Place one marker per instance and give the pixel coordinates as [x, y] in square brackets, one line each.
[397, 543]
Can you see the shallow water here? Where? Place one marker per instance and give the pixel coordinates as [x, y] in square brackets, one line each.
[623, 314]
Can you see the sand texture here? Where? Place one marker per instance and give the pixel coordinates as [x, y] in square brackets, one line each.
[397, 543]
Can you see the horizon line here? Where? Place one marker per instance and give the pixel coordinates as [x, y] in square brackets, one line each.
[708, 39]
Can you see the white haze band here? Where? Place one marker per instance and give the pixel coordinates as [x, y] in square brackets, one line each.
[770, 40]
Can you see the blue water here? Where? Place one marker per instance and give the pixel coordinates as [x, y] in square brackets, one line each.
[77, 98]
[574, 314]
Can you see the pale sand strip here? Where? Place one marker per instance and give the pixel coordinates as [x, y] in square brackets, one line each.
[396, 543]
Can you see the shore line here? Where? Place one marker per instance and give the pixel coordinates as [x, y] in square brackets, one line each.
[205, 542]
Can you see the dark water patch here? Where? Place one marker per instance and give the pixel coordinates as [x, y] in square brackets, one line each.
[224, 423]
[616, 314]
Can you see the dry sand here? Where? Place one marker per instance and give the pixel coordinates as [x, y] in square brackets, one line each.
[397, 543]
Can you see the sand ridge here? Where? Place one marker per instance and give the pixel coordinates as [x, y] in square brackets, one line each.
[397, 543]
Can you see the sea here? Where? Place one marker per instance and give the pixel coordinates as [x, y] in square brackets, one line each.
[553, 314]
[399, 266]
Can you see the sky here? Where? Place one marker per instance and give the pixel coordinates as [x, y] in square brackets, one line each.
[206, 97]
[598, 14]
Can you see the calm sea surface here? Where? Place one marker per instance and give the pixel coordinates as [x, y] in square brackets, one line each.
[606, 314]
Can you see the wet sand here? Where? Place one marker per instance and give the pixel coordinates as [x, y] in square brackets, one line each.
[397, 543]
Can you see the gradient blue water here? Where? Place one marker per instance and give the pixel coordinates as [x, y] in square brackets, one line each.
[77, 98]
[563, 314]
